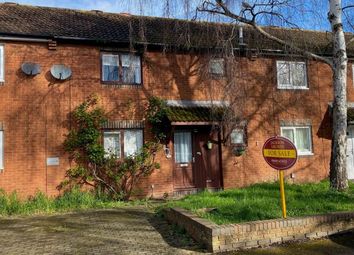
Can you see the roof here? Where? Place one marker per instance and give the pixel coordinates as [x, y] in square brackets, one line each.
[194, 114]
[57, 23]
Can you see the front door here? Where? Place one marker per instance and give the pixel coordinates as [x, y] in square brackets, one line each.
[196, 154]
[183, 172]
[350, 152]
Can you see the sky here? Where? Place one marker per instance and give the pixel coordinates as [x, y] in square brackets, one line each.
[304, 13]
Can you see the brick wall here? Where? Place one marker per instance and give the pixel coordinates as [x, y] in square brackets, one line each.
[34, 112]
[220, 238]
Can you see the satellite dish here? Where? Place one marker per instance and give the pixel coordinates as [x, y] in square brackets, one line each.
[60, 72]
[30, 68]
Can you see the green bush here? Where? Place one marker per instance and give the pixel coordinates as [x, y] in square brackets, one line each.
[108, 175]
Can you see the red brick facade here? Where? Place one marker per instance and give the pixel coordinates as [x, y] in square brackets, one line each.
[34, 112]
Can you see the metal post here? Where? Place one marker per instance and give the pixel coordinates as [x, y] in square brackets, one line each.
[282, 193]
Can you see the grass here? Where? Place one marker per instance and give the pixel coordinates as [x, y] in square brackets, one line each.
[75, 200]
[262, 201]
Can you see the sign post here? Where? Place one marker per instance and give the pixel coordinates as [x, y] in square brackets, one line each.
[282, 193]
[280, 153]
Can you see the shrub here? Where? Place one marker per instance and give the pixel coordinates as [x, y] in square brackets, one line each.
[107, 175]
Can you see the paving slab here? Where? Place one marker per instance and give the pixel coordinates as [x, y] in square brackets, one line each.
[127, 230]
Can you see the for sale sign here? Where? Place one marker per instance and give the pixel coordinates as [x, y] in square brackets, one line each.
[280, 153]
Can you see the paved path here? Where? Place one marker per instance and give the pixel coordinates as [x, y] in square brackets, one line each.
[127, 230]
[117, 231]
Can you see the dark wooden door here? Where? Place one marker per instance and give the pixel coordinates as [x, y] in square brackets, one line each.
[196, 164]
[206, 159]
[183, 160]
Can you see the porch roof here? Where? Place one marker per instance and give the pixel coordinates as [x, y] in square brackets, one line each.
[195, 115]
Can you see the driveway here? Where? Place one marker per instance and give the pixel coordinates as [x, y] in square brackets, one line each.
[127, 230]
[118, 231]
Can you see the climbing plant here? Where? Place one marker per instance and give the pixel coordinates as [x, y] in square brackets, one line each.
[156, 115]
[107, 174]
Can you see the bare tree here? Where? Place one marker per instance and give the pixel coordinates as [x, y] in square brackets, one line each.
[250, 13]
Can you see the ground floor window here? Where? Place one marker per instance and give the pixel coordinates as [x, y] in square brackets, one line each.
[300, 136]
[1, 149]
[183, 146]
[123, 142]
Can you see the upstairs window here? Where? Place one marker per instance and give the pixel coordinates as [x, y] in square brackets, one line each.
[291, 75]
[128, 141]
[217, 66]
[121, 68]
[2, 63]
[300, 136]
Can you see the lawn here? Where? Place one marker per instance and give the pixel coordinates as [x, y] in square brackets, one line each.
[74, 200]
[262, 201]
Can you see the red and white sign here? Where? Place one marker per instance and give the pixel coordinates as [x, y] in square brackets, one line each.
[279, 152]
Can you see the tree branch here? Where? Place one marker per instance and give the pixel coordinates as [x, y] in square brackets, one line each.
[347, 7]
[350, 41]
[224, 10]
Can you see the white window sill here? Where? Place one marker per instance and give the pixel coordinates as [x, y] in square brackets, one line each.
[305, 154]
[293, 88]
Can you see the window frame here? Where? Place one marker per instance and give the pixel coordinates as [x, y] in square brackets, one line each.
[291, 85]
[120, 83]
[120, 131]
[120, 141]
[309, 128]
[2, 63]
[174, 144]
[244, 137]
[223, 67]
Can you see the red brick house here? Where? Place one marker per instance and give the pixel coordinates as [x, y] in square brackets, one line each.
[126, 59]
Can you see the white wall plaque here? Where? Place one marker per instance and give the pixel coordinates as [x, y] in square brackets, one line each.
[53, 161]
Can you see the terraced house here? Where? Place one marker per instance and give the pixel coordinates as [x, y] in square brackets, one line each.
[53, 59]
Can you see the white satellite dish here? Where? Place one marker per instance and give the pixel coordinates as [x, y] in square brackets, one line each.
[60, 72]
[30, 68]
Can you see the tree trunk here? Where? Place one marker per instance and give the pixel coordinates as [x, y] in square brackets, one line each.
[338, 166]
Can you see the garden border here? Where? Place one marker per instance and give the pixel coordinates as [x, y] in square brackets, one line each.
[229, 237]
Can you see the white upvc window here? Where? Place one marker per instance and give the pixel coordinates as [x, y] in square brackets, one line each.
[217, 66]
[112, 144]
[2, 68]
[121, 68]
[1, 149]
[133, 141]
[300, 136]
[291, 75]
[128, 141]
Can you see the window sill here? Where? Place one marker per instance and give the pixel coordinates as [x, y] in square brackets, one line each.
[215, 76]
[119, 85]
[293, 88]
[306, 154]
